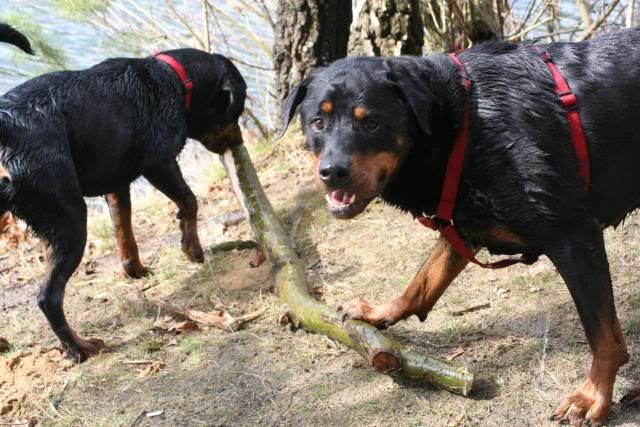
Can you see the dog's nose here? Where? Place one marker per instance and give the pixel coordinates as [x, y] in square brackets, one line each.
[334, 174]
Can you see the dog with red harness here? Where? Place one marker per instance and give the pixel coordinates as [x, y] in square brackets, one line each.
[517, 148]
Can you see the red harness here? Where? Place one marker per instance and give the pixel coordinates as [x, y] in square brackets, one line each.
[182, 75]
[442, 221]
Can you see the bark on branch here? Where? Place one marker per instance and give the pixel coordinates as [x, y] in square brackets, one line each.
[384, 354]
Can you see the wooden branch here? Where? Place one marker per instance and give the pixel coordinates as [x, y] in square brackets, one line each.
[470, 309]
[221, 321]
[382, 353]
[231, 246]
[585, 13]
[630, 19]
[603, 17]
[205, 18]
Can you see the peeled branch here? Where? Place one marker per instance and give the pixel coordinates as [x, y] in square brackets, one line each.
[382, 353]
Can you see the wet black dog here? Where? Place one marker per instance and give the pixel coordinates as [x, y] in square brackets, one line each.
[385, 127]
[66, 135]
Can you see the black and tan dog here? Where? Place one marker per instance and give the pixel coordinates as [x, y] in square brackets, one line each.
[66, 135]
[385, 127]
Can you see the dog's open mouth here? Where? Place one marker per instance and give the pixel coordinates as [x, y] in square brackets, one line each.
[344, 204]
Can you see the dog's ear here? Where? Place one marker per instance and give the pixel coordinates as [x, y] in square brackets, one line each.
[235, 94]
[412, 82]
[295, 97]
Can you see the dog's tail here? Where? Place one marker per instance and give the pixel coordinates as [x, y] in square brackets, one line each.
[10, 35]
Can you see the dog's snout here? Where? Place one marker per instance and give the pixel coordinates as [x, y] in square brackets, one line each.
[334, 173]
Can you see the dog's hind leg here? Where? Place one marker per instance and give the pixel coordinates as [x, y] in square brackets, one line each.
[168, 179]
[120, 209]
[579, 255]
[50, 201]
[436, 274]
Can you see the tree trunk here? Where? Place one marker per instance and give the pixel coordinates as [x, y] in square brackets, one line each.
[309, 33]
[387, 28]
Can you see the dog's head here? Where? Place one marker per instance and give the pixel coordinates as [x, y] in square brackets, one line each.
[218, 97]
[360, 117]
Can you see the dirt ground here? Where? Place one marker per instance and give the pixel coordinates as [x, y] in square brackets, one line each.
[527, 348]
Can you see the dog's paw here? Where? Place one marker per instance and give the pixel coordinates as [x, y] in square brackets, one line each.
[133, 269]
[82, 349]
[359, 309]
[580, 409]
[193, 251]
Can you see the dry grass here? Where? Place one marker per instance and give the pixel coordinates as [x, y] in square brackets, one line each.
[266, 375]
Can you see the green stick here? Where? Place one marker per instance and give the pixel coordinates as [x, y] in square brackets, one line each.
[384, 354]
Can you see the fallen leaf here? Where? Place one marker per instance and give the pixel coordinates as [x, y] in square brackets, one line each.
[170, 324]
[152, 369]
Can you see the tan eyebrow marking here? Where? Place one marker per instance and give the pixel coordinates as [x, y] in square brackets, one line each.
[360, 113]
[326, 106]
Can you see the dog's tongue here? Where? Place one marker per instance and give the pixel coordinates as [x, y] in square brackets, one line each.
[341, 197]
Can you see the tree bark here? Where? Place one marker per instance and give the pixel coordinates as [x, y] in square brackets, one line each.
[309, 33]
[387, 28]
[382, 353]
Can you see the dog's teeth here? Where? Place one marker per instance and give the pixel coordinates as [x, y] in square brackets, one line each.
[352, 199]
[328, 199]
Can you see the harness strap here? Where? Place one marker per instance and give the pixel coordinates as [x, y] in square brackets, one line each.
[442, 221]
[182, 75]
[568, 101]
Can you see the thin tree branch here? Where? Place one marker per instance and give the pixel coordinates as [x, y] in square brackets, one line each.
[631, 6]
[601, 19]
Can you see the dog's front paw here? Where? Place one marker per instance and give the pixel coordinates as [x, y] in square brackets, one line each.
[81, 350]
[359, 309]
[581, 408]
[133, 269]
[193, 250]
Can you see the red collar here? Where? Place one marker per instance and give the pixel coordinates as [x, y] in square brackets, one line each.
[182, 75]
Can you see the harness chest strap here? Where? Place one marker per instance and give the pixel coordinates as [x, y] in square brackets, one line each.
[442, 220]
[182, 75]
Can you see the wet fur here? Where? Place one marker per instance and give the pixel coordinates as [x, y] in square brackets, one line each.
[521, 191]
[71, 134]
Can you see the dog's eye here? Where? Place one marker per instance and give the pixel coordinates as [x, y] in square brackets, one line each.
[370, 125]
[317, 124]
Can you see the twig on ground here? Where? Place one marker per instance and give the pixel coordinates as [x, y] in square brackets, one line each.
[138, 362]
[230, 246]
[138, 418]
[57, 399]
[222, 320]
[470, 309]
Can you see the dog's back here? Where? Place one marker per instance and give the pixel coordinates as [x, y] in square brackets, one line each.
[516, 114]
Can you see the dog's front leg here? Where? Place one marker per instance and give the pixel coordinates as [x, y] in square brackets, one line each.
[120, 208]
[580, 257]
[168, 179]
[435, 275]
